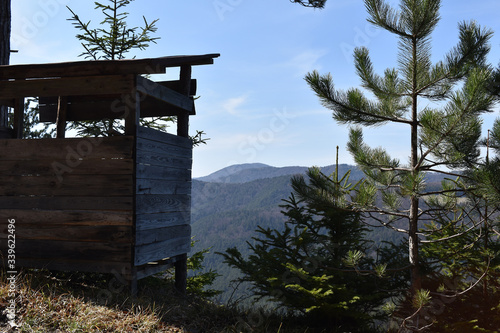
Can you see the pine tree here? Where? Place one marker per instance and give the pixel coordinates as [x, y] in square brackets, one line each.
[443, 139]
[311, 3]
[320, 265]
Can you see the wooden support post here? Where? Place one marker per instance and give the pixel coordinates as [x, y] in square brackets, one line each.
[185, 84]
[18, 118]
[181, 273]
[133, 117]
[133, 283]
[62, 108]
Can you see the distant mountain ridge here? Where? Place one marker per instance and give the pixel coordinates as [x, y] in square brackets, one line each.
[244, 173]
[230, 204]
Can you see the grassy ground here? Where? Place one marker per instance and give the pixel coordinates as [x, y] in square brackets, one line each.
[77, 302]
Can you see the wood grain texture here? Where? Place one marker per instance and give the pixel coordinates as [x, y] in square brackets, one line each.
[164, 160]
[158, 186]
[162, 203]
[114, 107]
[161, 220]
[70, 250]
[67, 203]
[154, 267]
[72, 86]
[75, 233]
[162, 173]
[68, 185]
[70, 150]
[162, 234]
[49, 167]
[164, 249]
[167, 95]
[104, 67]
[165, 138]
[113, 208]
[67, 218]
[159, 148]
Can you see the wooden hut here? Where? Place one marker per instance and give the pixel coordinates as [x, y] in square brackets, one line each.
[118, 204]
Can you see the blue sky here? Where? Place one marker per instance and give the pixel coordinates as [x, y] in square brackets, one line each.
[254, 104]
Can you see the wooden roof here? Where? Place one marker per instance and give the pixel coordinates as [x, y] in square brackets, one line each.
[103, 67]
[102, 89]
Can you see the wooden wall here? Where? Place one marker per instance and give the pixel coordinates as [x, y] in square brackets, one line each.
[163, 200]
[72, 200]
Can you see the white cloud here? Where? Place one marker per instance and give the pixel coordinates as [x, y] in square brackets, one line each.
[305, 61]
[232, 105]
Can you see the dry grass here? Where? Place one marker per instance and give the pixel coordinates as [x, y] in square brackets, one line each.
[81, 302]
[49, 302]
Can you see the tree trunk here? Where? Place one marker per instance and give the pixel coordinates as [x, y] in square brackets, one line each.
[4, 32]
[413, 240]
[4, 50]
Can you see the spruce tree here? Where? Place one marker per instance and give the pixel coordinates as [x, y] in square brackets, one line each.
[320, 265]
[112, 41]
[444, 139]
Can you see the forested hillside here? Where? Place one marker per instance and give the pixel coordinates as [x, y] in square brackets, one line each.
[226, 215]
[227, 209]
[243, 173]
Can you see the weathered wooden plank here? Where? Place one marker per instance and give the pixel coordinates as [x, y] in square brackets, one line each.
[72, 86]
[7, 102]
[65, 217]
[164, 94]
[66, 250]
[67, 185]
[116, 107]
[104, 67]
[163, 149]
[66, 203]
[158, 186]
[161, 220]
[162, 159]
[179, 86]
[154, 267]
[161, 234]
[133, 115]
[157, 251]
[162, 203]
[166, 138]
[122, 269]
[175, 85]
[183, 119]
[75, 233]
[86, 166]
[62, 116]
[71, 150]
[19, 117]
[158, 172]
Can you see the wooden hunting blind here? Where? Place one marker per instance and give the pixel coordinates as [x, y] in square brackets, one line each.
[117, 204]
